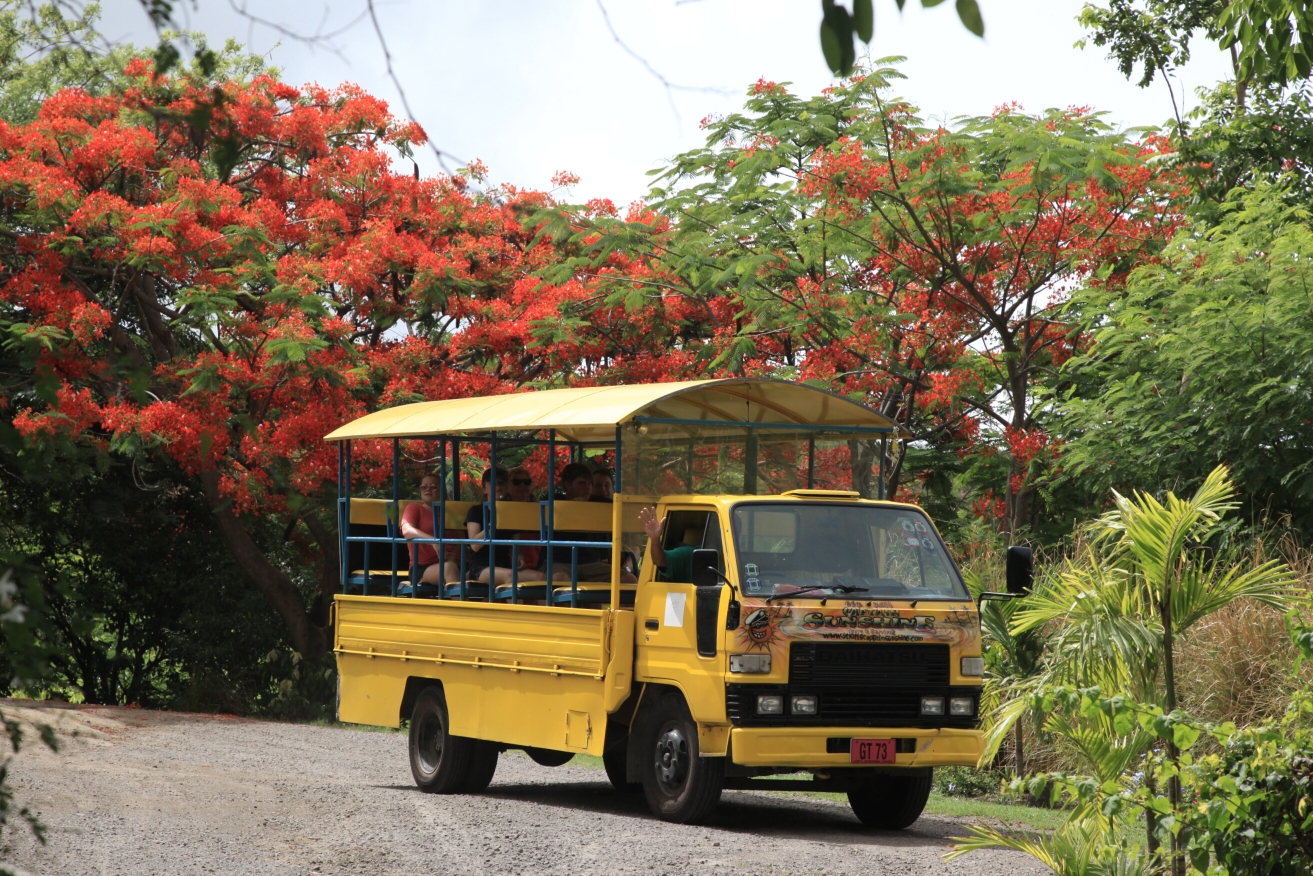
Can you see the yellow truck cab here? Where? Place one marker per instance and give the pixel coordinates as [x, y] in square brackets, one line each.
[759, 617]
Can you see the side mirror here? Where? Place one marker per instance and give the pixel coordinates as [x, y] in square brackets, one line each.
[706, 564]
[1021, 569]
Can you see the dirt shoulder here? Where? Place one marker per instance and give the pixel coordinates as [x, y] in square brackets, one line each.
[138, 792]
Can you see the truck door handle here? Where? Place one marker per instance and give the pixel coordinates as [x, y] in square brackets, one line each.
[651, 624]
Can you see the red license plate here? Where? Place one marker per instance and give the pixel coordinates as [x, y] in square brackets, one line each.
[873, 751]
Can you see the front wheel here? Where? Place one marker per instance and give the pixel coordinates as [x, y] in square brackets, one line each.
[680, 786]
[439, 761]
[891, 802]
[616, 761]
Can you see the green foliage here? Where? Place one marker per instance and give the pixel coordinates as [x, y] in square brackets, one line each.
[957, 781]
[841, 28]
[1151, 35]
[1270, 39]
[1223, 147]
[137, 599]
[1204, 359]
[26, 660]
[1143, 577]
[1253, 809]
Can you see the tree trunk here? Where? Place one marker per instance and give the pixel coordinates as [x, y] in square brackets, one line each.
[1169, 682]
[863, 455]
[1018, 750]
[311, 641]
[1018, 507]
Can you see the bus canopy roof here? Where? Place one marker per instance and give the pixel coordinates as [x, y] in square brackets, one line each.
[592, 413]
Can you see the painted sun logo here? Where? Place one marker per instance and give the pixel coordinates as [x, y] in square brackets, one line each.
[760, 630]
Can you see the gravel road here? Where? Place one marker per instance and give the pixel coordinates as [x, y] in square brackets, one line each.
[137, 792]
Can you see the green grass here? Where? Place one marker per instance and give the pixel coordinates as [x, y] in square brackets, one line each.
[1013, 813]
[342, 725]
[969, 807]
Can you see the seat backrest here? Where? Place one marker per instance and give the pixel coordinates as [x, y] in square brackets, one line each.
[583, 516]
[520, 516]
[375, 512]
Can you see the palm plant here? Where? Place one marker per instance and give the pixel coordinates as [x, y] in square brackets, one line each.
[1012, 659]
[1116, 609]
[1080, 847]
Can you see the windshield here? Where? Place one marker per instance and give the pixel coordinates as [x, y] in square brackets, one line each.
[884, 553]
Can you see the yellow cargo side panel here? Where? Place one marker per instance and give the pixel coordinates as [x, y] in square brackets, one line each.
[370, 689]
[518, 674]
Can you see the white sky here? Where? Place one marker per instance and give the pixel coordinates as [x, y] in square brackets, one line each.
[536, 86]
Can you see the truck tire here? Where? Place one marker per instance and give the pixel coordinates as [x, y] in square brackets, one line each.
[439, 761]
[891, 802]
[680, 786]
[483, 764]
[615, 759]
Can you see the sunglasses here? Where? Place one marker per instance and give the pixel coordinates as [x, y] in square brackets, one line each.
[523, 482]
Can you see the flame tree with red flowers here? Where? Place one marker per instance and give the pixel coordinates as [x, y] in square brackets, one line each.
[225, 271]
[920, 268]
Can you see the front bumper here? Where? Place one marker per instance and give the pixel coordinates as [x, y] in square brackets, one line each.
[816, 746]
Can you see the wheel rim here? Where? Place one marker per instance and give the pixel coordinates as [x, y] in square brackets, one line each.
[428, 743]
[672, 759]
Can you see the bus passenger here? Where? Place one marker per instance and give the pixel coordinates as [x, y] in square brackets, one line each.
[594, 563]
[417, 522]
[476, 557]
[602, 488]
[674, 563]
[521, 490]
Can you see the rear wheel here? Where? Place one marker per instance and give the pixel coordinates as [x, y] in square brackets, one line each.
[483, 763]
[680, 786]
[891, 802]
[439, 761]
[616, 761]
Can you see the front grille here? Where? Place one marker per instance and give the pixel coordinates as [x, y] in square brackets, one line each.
[858, 664]
[857, 684]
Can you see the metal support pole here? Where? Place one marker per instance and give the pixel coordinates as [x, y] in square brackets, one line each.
[343, 507]
[883, 444]
[438, 514]
[394, 523]
[688, 480]
[455, 469]
[490, 526]
[551, 506]
[811, 462]
[750, 463]
[616, 467]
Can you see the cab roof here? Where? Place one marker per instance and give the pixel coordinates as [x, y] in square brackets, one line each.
[592, 413]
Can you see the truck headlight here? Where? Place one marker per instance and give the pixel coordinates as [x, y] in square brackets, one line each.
[932, 705]
[759, 663]
[770, 704]
[973, 666]
[803, 705]
[961, 706]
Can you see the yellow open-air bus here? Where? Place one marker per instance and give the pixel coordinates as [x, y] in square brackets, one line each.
[794, 626]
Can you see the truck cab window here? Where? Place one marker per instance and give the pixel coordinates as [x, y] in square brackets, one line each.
[881, 552]
[685, 532]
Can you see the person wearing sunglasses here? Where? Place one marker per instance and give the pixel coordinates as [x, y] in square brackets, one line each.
[522, 491]
[417, 522]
